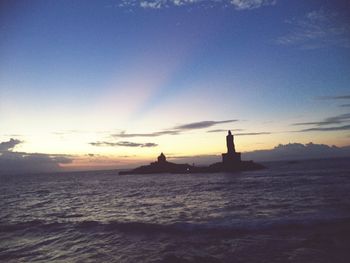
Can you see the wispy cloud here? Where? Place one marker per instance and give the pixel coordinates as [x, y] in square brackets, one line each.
[124, 134]
[123, 144]
[344, 97]
[159, 4]
[240, 133]
[336, 128]
[223, 130]
[335, 123]
[149, 144]
[252, 133]
[251, 4]
[201, 124]
[339, 119]
[337, 98]
[312, 123]
[179, 129]
[317, 29]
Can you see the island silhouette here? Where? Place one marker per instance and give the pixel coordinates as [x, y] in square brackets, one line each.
[231, 162]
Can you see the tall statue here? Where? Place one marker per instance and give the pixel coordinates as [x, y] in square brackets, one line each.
[230, 144]
[231, 157]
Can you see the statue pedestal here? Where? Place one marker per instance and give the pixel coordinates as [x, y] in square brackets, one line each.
[231, 158]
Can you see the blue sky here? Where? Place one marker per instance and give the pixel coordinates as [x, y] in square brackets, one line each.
[73, 73]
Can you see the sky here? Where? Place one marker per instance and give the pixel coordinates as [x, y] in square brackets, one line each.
[109, 84]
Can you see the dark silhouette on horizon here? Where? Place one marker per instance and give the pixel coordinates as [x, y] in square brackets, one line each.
[161, 158]
[160, 166]
[231, 162]
[231, 156]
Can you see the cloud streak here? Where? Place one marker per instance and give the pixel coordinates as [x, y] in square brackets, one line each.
[240, 133]
[328, 121]
[251, 4]
[344, 97]
[201, 124]
[223, 130]
[336, 128]
[317, 29]
[152, 134]
[179, 129]
[252, 133]
[160, 4]
[123, 144]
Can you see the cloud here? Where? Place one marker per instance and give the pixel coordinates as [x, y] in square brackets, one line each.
[252, 133]
[153, 4]
[9, 145]
[123, 144]
[324, 125]
[307, 123]
[174, 130]
[21, 162]
[328, 121]
[251, 4]
[242, 133]
[152, 134]
[317, 29]
[160, 4]
[224, 130]
[344, 97]
[149, 144]
[201, 124]
[293, 151]
[336, 128]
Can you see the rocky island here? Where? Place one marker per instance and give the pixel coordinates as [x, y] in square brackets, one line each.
[231, 162]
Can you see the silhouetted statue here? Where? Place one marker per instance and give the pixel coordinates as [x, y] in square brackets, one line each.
[231, 157]
[230, 144]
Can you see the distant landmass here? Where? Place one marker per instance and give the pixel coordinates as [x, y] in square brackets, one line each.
[231, 162]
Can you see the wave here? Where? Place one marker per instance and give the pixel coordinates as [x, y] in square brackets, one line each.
[243, 227]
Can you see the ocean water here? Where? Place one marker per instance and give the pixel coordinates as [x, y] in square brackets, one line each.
[291, 212]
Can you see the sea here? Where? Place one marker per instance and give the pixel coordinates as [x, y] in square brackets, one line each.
[291, 212]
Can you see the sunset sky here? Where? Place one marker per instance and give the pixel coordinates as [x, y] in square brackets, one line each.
[114, 83]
